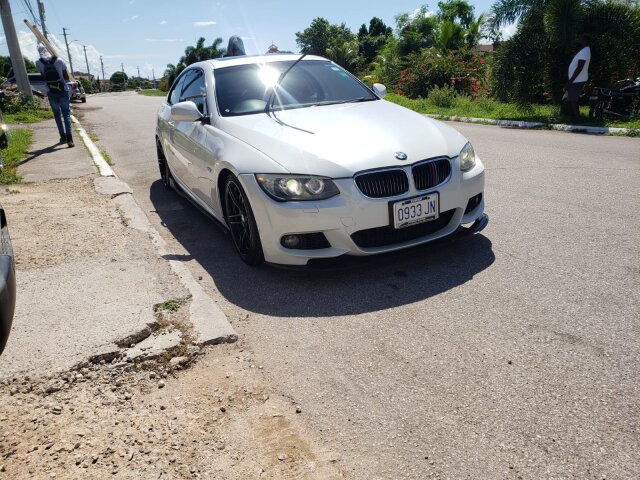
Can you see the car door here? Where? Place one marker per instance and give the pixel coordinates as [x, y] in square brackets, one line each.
[195, 146]
[172, 138]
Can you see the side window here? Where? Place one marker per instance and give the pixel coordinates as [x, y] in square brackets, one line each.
[195, 89]
[174, 96]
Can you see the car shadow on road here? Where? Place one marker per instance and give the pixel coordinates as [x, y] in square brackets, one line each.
[371, 284]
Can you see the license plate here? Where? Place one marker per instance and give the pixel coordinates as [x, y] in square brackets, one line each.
[415, 210]
[593, 98]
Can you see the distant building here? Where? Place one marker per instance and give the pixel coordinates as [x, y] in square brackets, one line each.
[79, 75]
[273, 48]
[487, 48]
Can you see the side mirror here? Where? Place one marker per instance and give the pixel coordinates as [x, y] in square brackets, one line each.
[380, 90]
[185, 112]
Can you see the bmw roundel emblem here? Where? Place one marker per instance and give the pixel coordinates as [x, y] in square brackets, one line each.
[401, 155]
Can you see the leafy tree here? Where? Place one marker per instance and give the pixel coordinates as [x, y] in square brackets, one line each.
[6, 69]
[372, 39]
[119, 79]
[416, 31]
[320, 35]
[456, 11]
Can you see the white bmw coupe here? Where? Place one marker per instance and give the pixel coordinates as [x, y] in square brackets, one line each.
[299, 160]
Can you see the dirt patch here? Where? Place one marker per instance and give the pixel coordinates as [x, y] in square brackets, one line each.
[60, 220]
[155, 420]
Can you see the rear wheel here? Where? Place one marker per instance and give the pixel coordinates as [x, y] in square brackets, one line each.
[242, 223]
[596, 110]
[165, 173]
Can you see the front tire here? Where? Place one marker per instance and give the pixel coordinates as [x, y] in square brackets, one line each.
[242, 223]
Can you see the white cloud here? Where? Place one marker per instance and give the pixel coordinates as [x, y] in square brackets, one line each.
[204, 24]
[29, 48]
[168, 40]
[418, 12]
[130, 19]
[163, 22]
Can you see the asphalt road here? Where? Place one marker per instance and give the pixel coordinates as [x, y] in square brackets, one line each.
[510, 354]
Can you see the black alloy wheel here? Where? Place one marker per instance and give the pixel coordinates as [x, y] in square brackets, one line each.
[165, 173]
[241, 222]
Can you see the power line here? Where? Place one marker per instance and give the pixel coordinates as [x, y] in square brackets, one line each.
[28, 6]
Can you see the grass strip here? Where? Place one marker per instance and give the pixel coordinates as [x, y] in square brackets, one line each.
[152, 92]
[492, 109]
[19, 144]
[28, 116]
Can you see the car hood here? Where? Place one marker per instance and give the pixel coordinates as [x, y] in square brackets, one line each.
[340, 140]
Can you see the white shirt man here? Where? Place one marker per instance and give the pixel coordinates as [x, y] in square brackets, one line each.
[578, 75]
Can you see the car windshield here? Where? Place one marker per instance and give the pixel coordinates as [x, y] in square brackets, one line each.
[245, 89]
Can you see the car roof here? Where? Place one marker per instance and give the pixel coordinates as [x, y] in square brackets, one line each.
[224, 62]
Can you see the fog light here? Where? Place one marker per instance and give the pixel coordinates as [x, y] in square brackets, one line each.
[290, 241]
[473, 203]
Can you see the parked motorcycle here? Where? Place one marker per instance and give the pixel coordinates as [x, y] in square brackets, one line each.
[615, 103]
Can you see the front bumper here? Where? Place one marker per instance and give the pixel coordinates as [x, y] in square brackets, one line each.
[340, 217]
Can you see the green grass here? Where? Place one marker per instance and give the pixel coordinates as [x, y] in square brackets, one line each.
[28, 116]
[19, 143]
[492, 109]
[171, 305]
[152, 92]
[106, 156]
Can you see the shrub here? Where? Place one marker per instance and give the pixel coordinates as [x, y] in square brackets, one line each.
[18, 104]
[443, 97]
[466, 72]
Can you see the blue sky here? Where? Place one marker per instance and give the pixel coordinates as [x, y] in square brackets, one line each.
[151, 33]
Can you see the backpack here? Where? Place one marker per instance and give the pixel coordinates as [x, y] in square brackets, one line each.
[52, 77]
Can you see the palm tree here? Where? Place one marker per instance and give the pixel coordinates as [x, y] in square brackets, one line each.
[345, 54]
[200, 52]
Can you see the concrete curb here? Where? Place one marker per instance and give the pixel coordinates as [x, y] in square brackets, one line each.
[103, 167]
[526, 125]
[209, 321]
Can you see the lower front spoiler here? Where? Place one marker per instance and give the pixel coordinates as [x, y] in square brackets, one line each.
[345, 262]
[481, 222]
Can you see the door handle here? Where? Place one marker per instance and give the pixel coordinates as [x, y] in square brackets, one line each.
[171, 124]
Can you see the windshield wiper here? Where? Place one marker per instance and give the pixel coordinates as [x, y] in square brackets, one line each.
[340, 102]
[268, 109]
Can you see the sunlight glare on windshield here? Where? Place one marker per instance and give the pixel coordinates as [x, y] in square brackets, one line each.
[268, 76]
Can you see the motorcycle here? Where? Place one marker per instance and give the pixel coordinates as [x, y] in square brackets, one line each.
[615, 103]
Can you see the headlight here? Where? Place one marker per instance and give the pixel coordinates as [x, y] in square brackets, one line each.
[297, 187]
[3, 127]
[467, 158]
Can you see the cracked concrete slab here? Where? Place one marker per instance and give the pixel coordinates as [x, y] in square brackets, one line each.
[153, 346]
[112, 186]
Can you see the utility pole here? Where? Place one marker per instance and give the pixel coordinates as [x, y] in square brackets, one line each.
[64, 32]
[42, 19]
[102, 66]
[86, 61]
[88, 72]
[17, 62]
